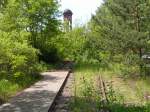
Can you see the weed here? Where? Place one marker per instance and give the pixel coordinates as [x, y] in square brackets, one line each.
[122, 93]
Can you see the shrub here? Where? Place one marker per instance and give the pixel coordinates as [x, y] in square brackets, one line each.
[17, 58]
[19, 66]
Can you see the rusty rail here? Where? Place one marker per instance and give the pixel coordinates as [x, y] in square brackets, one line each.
[104, 97]
[103, 89]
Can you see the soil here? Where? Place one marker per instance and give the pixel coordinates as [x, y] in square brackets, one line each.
[65, 98]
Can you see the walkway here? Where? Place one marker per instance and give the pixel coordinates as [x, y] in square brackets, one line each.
[39, 97]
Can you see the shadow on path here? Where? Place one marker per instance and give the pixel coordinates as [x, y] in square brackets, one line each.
[30, 102]
[39, 97]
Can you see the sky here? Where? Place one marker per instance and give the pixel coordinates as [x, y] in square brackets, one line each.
[82, 9]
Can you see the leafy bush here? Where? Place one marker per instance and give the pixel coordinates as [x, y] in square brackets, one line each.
[25, 26]
[71, 44]
[17, 57]
[49, 54]
[18, 65]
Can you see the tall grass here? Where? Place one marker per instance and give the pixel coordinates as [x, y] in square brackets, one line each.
[7, 89]
[123, 96]
[10, 85]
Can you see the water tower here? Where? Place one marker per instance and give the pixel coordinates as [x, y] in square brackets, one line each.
[67, 20]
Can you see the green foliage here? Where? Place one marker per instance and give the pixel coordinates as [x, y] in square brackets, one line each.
[7, 89]
[35, 20]
[87, 94]
[119, 32]
[50, 53]
[18, 66]
[16, 56]
[43, 25]
[71, 44]
[25, 27]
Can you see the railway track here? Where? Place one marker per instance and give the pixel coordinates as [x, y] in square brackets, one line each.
[103, 89]
[62, 100]
[104, 97]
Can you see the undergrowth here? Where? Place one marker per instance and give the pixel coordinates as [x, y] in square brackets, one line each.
[87, 95]
[10, 85]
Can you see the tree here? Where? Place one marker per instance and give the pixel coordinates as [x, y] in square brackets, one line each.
[37, 18]
[17, 57]
[43, 26]
[42, 17]
[122, 27]
[71, 44]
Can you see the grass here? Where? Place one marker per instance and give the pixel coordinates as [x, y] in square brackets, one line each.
[7, 89]
[131, 93]
[10, 86]
[84, 72]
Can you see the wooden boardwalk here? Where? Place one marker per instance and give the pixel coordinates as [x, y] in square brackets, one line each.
[40, 96]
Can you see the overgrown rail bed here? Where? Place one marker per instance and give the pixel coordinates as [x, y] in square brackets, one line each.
[103, 89]
[97, 90]
[64, 99]
[104, 98]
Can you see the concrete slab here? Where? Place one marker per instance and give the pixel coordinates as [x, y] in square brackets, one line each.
[40, 96]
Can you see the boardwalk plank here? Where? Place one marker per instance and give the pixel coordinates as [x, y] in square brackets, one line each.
[39, 97]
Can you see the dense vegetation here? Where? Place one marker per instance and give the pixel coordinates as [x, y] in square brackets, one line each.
[123, 30]
[26, 30]
[111, 44]
[124, 95]
[117, 34]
